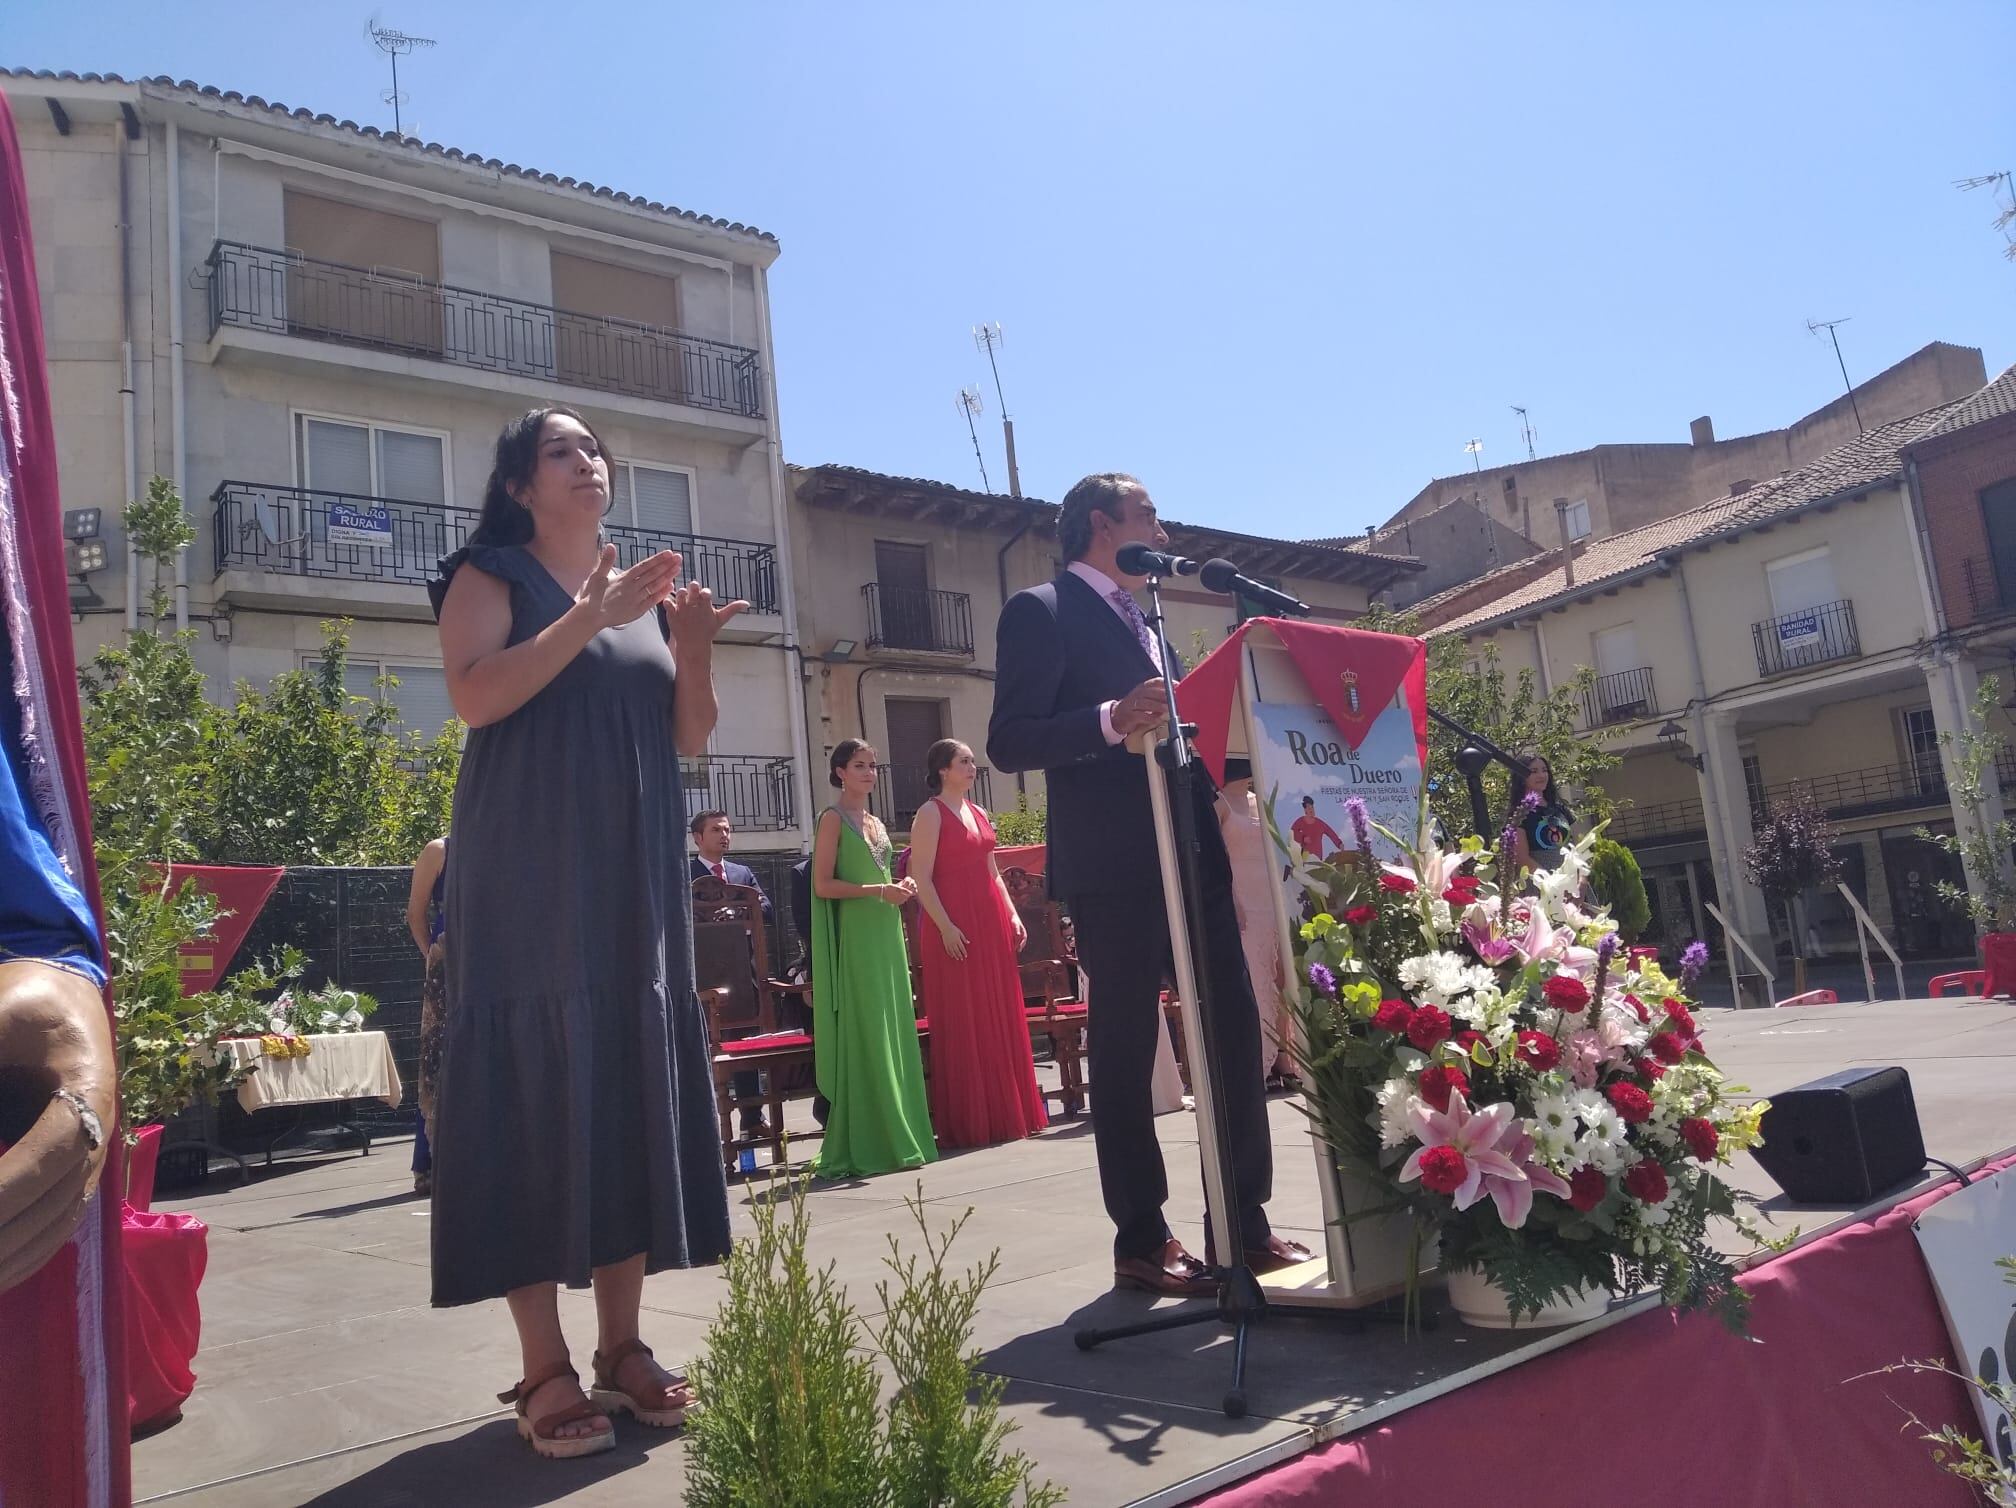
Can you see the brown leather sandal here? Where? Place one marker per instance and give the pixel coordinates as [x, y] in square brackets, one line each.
[654, 1406]
[541, 1433]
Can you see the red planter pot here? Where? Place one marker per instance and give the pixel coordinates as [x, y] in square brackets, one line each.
[1998, 960]
[140, 1160]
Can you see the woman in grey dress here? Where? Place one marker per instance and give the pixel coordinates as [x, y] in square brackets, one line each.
[576, 1135]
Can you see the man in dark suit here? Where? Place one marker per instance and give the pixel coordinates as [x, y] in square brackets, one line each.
[1078, 671]
[713, 835]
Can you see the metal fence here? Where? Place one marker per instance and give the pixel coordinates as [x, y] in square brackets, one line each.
[1620, 697]
[284, 293]
[913, 618]
[1811, 636]
[755, 790]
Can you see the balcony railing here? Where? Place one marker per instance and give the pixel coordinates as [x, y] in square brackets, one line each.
[900, 793]
[1620, 697]
[343, 536]
[282, 293]
[901, 617]
[1664, 820]
[1811, 636]
[755, 790]
[1847, 793]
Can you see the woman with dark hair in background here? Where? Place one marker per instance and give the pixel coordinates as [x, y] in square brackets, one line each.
[864, 1033]
[575, 1134]
[1541, 824]
[983, 1078]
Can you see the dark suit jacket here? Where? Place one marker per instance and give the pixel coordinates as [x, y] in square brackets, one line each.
[1060, 653]
[738, 874]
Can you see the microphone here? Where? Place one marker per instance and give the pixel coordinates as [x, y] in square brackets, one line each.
[1136, 559]
[1220, 575]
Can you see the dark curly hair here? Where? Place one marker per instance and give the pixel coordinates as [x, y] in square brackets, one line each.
[506, 521]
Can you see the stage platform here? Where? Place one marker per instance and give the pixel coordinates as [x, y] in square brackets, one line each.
[325, 1379]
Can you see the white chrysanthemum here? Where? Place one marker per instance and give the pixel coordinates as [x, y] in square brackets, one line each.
[1393, 1128]
[1417, 975]
[1553, 1126]
[1440, 916]
[1601, 1145]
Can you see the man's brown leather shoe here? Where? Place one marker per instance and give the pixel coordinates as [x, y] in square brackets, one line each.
[1172, 1271]
[1277, 1254]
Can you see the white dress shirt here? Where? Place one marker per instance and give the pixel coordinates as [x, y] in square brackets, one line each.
[1105, 586]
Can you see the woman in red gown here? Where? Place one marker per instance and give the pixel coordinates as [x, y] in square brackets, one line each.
[983, 1080]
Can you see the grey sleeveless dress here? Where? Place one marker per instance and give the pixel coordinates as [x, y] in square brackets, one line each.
[576, 1120]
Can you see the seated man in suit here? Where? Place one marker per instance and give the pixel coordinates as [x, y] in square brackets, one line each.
[1078, 670]
[713, 835]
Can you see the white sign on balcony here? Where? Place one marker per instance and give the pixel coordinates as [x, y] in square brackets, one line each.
[1797, 630]
[360, 526]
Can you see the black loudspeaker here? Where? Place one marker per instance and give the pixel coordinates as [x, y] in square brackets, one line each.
[1844, 1139]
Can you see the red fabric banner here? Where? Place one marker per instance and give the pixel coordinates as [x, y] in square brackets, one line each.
[1352, 673]
[241, 892]
[1786, 1417]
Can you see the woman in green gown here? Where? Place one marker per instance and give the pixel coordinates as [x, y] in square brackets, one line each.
[864, 1033]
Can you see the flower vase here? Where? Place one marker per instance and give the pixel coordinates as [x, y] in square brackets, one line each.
[140, 1160]
[1480, 1303]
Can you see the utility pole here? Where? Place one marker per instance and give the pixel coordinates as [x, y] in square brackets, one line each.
[987, 337]
[1814, 327]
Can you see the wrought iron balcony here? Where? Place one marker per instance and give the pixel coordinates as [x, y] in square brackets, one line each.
[1811, 636]
[1664, 821]
[283, 293]
[300, 531]
[922, 621]
[900, 793]
[755, 790]
[1889, 787]
[1621, 697]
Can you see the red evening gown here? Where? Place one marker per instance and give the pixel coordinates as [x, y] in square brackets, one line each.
[983, 1080]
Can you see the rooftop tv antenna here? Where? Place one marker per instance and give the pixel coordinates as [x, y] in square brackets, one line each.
[2005, 203]
[969, 405]
[393, 44]
[1526, 428]
[1475, 450]
[1814, 327]
[987, 337]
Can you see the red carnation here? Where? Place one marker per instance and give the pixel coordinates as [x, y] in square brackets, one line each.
[1399, 884]
[1646, 1181]
[1638, 1006]
[1586, 1188]
[1459, 897]
[1362, 916]
[1651, 1070]
[1443, 1169]
[1683, 1018]
[1538, 1051]
[1566, 993]
[1393, 1016]
[1666, 1047]
[1437, 1084]
[1633, 1103]
[1469, 1040]
[1429, 1026]
[1701, 1137]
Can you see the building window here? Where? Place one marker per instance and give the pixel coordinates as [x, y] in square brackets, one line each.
[657, 498]
[1576, 519]
[1511, 495]
[372, 460]
[1998, 516]
[420, 698]
[1921, 750]
[1753, 787]
[1801, 582]
[914, 725]
[593, 302]
[368, 275]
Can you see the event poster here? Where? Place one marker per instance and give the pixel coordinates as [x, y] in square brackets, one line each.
[1313, 772]
[1962, 1236]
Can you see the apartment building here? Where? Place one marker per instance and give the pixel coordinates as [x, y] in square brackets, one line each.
[902, 580]
[316, 329]
[1824, 630]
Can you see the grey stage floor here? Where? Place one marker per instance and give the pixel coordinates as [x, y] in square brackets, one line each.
[326, 1379]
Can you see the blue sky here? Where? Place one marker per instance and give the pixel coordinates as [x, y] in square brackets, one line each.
[1281, 260]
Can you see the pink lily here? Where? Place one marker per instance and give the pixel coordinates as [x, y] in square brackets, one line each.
[1541, 939]
[1515, 1200]
[1489, 949]
[1474, 1134]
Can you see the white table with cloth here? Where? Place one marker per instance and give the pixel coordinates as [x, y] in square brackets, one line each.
[338, 1067]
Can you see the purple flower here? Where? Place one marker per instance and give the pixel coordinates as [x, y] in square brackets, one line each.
[1321, 980]
[1361, 824]
[1529, 803]
[1607, 948]
[1693, 959]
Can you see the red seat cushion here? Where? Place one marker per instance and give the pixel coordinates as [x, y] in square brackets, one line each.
[776, 1042]
[1061, 1008]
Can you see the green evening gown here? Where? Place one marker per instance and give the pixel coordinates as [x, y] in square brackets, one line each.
[864, 1031]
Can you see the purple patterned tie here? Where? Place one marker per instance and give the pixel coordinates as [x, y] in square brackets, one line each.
[1137, 620]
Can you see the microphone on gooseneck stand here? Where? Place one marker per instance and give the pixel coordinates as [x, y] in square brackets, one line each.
[1220, 575]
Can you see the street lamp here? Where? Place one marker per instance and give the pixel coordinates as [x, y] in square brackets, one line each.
[83, 553]
[1670, 735]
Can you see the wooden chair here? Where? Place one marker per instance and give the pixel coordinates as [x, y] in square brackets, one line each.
[1049, 967]
[757, 1024]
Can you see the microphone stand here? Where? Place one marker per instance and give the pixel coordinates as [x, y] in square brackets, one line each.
[1241, 1302]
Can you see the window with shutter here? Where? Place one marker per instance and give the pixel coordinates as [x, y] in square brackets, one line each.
[664, 499]
[422, 698]
[1802, 581]
[336, 457]
[410, 467]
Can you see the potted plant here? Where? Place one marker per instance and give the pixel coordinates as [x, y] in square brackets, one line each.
[1989, 899]
[1791, 852]
[1540, 1108]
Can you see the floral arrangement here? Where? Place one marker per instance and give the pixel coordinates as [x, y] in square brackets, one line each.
[1540, 1107]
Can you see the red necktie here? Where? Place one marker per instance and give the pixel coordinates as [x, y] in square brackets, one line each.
[721, 871]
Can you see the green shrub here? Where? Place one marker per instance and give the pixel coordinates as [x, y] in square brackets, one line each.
[1614, 876]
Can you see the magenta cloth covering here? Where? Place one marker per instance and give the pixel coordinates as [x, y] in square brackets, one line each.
[165, 1257]
[1668, 1408]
